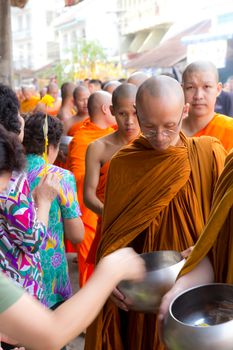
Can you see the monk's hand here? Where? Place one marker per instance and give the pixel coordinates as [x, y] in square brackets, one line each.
[119, 300]
[125, 264]
[185, 253]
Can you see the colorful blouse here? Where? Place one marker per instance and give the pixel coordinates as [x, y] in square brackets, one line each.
[21, 236]
[57, 286]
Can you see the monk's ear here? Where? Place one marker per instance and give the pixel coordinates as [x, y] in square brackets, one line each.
[112, 110]
[185, 112]
[219, 88]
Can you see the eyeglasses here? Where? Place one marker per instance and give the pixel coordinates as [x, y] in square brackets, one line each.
[165, 132]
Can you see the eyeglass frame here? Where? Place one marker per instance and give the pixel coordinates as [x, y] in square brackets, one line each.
[164, 132]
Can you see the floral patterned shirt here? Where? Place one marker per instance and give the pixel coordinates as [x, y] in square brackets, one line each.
[56, 280]
[21, 236]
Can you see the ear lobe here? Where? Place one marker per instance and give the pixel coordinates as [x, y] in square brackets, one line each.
[219, 88]
[186, 110]
[112, 110]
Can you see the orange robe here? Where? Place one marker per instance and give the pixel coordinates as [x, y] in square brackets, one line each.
[28, 106]
[100, 194]
[88, 133]
[53, 111]
[217, 238]
[76, 126]
[220, 127]
[154, 200]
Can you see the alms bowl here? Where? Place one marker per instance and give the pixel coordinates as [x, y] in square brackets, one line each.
[162, 268]
[201, 318]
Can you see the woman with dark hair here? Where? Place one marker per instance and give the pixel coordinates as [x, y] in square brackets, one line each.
[64, 215]
[25, 319]
[23, 226]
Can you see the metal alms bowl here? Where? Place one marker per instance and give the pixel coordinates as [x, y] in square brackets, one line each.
[64, 144]
[162, 268]
[201, 318]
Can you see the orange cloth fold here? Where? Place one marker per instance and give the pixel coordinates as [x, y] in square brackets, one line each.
[217, 238]
[220, 127]
[153, 201]
[76, 163]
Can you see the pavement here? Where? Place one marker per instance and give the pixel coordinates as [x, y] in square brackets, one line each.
[77, 343]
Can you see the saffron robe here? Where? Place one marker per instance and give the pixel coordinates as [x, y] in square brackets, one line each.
[217, 239]
[88, 133]
[220, 127]
[28, 106]
[154, 200]
[76, 126]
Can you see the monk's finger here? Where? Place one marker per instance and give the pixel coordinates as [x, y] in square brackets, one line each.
[185, 253]
[119, 303]
[119, 295]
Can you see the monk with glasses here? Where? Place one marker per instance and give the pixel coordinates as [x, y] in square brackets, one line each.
[158, 195]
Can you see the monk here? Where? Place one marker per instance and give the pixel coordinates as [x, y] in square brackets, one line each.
[201, 88]
[29, 102]
[157, 197]
[137, 78]
[80, 98]
[212, 257]
[111, 85]
[53, 91]
[94, 85]
[100, 152]
[67, 111]
[97, 126]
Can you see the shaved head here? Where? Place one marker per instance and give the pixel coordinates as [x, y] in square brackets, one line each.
[111, 86]
[67, 90]
[96, 101]
[53, 90]
[80, 90]
[160, 108]
[200, 66]
[124, 91]
[163, 88]
[137, 78]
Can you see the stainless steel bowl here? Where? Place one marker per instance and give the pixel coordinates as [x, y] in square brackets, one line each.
[201, 318]
[65, 141]
[162, 268]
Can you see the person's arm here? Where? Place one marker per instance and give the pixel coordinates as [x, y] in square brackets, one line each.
[38, 328]
[91, 180]
[201, 274]
[74, 230]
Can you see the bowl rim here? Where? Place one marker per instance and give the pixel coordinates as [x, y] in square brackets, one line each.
[160, 252]
[170, 314]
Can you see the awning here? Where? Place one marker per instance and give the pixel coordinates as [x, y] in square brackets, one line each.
[170, 51]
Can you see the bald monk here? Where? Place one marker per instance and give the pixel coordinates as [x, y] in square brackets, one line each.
[97, 126]
[201, 88]
[66, 111]
[100, 152]
[53, 91]
[137, 78]
[94, 85]
[211, 259]
[157, 197]
[111, 85]
[29, 102]
[80, 98]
